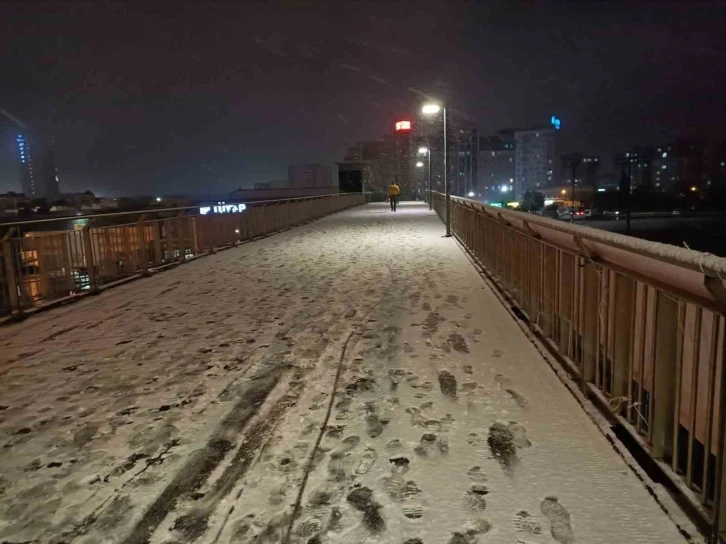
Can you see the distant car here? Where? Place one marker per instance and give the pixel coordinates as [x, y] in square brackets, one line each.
[566, 214]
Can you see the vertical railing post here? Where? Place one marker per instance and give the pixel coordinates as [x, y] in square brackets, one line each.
[195, 242]
[90, 260]
[664, 375]
[719, 505]
[10, 274]
[263, 213]
[180, 236]
[144, 251]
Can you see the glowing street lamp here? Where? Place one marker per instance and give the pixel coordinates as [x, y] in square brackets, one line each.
[431, 109]
[563, 192]
[423, 150]
[419, 164]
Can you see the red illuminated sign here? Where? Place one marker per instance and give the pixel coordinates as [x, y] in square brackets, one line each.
[403, 125]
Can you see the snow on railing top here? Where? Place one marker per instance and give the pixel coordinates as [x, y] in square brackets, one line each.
[705, 262]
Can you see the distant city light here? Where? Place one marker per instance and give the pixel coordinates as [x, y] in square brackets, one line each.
[419, 164]
[158, 199]
[236, 231]
[403, 125]
[423, 150]
[555, 121]
[601, 190]
[563, 192]
[431, 108]
[664, 155]
[548, 202]
[471, 194]
[504, 188]
[694, 189]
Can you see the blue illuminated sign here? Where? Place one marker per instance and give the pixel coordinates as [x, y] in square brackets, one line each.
[555, 121]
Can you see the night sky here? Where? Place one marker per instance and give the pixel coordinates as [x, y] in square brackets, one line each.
[203, 97]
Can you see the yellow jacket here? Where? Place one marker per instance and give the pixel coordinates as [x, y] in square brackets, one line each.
[393, 190]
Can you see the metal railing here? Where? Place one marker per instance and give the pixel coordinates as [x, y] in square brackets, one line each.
[39, 267]
[640, 325]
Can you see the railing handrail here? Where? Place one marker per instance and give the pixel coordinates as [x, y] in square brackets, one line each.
[689, 258]
[163, 210]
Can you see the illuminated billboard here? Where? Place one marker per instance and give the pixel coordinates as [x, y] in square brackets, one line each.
[222, 208]
[403, 125]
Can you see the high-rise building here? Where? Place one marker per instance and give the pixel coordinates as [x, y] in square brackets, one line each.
[368, 166]
[535, 157]
[588, 168]
[497, 155]
[467, 159]
[404, 157]
[637, 165]
[678, 167]
[38, 172]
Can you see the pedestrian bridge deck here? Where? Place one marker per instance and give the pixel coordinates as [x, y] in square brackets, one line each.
[351, 380]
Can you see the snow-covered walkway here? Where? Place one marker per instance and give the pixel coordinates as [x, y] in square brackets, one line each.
[352, 380]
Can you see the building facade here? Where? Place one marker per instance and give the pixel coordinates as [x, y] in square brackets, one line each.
[497, 166]
[38, 172]
[637, 165]
[310, 175]
[466, 182]
[404, 159]
[535, 158]
[368, 167]
[678, 167]
[587, 172]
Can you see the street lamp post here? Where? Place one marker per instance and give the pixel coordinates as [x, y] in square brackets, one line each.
[574, 162]
[427, 151]
[432, 109]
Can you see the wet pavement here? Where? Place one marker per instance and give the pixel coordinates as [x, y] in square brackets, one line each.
[353, 380]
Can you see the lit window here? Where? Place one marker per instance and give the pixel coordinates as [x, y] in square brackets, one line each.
[664, 155]
[663, 167]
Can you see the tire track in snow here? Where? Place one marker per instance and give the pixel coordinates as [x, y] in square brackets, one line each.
[202, 462]
[318, 440]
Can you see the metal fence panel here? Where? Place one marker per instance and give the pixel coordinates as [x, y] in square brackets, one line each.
[642, 326]
[42, 267]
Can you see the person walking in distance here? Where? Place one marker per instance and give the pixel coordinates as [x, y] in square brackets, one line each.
[393, 192]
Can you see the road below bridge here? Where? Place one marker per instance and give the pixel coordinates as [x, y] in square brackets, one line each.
[352, 380]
